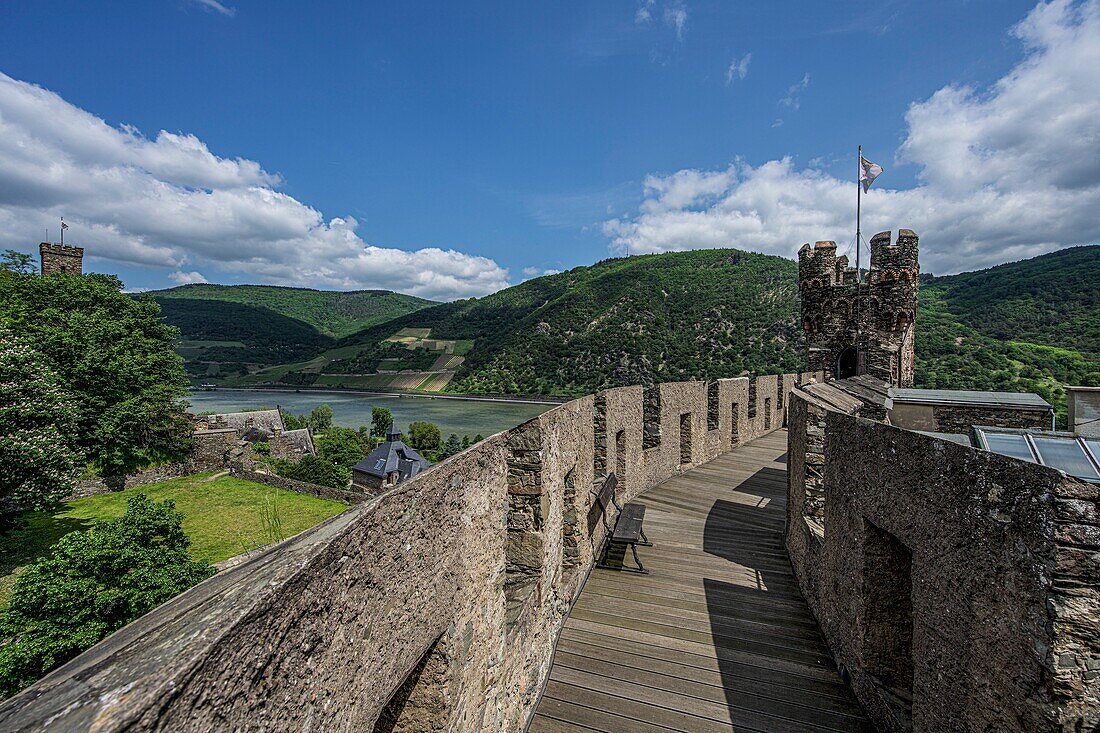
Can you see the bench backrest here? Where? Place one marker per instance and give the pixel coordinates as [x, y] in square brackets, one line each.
[605, 497]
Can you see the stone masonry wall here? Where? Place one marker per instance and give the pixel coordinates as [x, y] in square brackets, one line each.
[208, 453]
[301, 487]
[434, 606]
[952, 419]
[956, 587]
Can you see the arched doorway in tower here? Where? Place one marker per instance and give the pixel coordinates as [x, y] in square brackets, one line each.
[847, 364]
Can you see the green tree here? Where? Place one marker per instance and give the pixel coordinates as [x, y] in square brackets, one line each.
[17, 262]
[478, 438]
[342, 446]
[114, 354]
[380, 419]
[294, 422]
[466, 442]
[316, 470]
[320, 419]
[94, 583]
[39, 460]
[452, 447]
[425, 436]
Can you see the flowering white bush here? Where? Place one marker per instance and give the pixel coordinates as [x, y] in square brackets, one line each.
[38, 460]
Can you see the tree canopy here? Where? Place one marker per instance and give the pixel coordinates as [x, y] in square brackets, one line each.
[92, 584]
[114, 354]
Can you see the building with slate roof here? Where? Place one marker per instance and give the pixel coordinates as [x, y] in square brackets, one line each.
[388, 465]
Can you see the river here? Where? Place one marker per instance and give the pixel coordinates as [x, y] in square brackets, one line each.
[461, 417]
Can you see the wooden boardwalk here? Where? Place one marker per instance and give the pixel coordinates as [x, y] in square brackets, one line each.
[717, 637]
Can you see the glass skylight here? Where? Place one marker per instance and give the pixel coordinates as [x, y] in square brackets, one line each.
[1075, 455]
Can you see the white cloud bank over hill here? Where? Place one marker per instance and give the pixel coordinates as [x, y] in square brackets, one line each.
[1006, 173]
[170, 202]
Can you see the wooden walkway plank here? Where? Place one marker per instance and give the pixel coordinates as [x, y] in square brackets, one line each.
[717, 637]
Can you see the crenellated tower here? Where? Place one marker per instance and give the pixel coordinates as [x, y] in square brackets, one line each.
[61, 259]
[857, 325]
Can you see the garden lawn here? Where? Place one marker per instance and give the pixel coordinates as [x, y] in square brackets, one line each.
[223, 517]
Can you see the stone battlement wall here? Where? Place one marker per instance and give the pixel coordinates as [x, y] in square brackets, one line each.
[434, 606]
[874, 316]
[955, 587]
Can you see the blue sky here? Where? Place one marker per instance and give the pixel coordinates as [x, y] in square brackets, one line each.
[479, 143]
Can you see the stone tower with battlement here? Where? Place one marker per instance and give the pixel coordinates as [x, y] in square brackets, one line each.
[61, 259]
[861, 326]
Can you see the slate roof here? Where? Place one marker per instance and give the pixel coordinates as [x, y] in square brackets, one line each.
[302, 439]
[1014, 400]
[393, 455]
[269, 419]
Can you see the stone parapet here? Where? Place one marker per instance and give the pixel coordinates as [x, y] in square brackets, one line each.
[434, 606]
[956, 588]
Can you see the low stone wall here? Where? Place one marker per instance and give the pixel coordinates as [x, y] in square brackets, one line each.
[434, 606]
[207, 453]
[301, 487]
[956, 587]
[959, 418]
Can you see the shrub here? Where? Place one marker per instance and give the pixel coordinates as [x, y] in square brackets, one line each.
[94, 583]
[316, 470]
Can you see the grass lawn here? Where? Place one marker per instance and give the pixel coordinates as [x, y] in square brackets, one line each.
[223, 518]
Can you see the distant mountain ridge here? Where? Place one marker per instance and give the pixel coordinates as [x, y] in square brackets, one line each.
[230, 330]
[332, 313]
[1031, 325]
[642, 319]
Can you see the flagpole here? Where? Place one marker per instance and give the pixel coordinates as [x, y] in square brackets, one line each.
[859, 201]
[63, 231]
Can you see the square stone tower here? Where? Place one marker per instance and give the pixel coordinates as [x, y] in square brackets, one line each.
[861, 326]
[61, 259]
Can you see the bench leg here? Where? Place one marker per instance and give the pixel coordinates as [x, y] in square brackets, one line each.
[624, 568]
[634, 552]
[645, 540]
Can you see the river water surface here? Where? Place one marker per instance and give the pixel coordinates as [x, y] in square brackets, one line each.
[461, 417]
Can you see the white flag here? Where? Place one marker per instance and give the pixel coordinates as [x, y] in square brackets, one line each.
[868, 172]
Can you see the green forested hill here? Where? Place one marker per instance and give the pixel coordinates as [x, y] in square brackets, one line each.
[1028, 326]
[227, 328]
[330, 312]
[1025, 326]
[687, 315]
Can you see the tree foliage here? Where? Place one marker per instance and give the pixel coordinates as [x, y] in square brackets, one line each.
[342, 446]
[39, 458]
[316, 470]
[380, 421]
[320, 419]
[114, 354]
[425, 437]
[92, 584]
[452, 446]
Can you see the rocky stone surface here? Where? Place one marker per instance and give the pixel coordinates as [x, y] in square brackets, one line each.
[956, 587]
[434, 606]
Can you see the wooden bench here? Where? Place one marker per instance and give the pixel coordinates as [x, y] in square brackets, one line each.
[627, 529]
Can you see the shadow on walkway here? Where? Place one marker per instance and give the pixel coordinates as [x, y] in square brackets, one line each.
[767, 641]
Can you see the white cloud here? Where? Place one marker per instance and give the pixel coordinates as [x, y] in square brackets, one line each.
[645, 11]
[738, 68]
[794, 92]
[530, 272]
[1005, 173]
[187, 278]
[676, 15]
[170, 201]
[216, 7]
